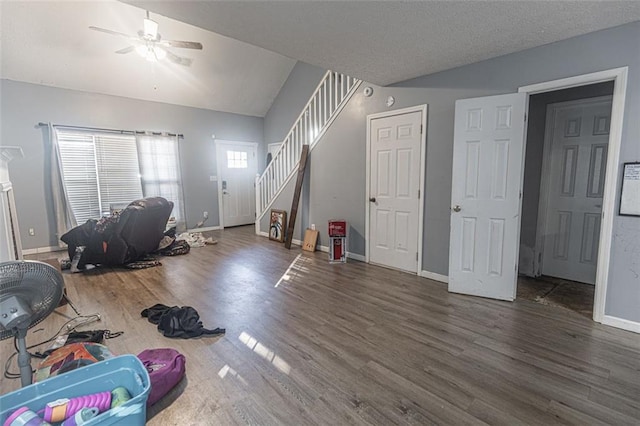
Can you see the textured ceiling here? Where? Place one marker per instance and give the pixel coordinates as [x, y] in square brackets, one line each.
[389, 41]
[50, 43]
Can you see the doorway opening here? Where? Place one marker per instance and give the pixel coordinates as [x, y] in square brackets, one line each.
[562, 196]
[489, 136]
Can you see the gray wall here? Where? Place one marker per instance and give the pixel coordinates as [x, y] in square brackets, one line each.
[533, 162]
[23, 105]
[293, 96]
[338, 181]
[611, 48]
[288, 105]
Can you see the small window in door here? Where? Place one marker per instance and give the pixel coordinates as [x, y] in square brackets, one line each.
[237, 160]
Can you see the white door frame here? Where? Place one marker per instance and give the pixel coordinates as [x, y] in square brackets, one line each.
[423, 157]
[619, 78]
[217, 143]
[541, 228]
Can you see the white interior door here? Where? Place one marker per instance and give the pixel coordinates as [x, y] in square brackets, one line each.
[488, 159]
[237, 165]
[577, 158]
[394, 190]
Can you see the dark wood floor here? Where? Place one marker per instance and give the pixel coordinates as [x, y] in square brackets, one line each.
[308, 342]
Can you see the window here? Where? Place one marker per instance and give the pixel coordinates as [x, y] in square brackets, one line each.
[101, 170]
[98, 170]
[159, 165]
[237, 160]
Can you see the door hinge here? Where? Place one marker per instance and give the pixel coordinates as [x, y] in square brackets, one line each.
[421, 129]
[525, 117]
[416, 256]
[418, 193]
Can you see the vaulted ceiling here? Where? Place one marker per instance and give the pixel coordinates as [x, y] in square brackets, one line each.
[250, 47]
[50, 43]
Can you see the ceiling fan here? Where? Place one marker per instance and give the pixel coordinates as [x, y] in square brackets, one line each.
[151, 46]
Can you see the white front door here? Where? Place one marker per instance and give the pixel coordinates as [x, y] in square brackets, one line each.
[488, 159]
[237, 165]
[578, 158]
[394, 190]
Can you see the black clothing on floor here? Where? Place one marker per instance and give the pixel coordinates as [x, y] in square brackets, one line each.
[178, 322]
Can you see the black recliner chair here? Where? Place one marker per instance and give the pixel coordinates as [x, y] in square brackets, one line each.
[138, 231]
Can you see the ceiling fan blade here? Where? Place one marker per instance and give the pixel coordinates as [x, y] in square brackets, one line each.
[104, 30]
[179, 59]
[182, 44]
[127, 49]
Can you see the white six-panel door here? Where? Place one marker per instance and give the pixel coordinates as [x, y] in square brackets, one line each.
[488, 160]
[394, 190]
[578, 158]
[237, 165]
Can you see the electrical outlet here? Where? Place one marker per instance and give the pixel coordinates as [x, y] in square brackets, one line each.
[32, 232]
[205, 215]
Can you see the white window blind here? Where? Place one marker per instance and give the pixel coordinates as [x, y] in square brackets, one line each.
[80, 175]
[160, 167]
[98, 169]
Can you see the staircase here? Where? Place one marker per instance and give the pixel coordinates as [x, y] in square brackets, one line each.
[327, 101]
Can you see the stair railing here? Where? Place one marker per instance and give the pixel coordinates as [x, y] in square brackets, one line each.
[327, 101]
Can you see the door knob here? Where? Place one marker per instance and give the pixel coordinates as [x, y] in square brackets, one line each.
[456, 209]
[372, 199]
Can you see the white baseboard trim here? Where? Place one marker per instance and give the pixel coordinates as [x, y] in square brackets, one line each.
[324, 249]
[39, 250]
[205, 229]
[621, 323]
[435, 277]
[293, 241]
[354, 256]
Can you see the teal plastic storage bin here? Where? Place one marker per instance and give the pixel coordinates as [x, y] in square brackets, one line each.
[124, 370]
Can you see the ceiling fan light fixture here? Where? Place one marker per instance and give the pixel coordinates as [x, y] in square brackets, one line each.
[142, 50]
[160, 53]
[151, 53]
[149, 45]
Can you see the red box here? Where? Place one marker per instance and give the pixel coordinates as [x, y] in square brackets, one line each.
[337, 228]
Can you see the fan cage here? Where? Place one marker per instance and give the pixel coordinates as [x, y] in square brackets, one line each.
[39, 284]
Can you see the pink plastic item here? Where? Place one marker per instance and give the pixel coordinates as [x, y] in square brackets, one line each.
[62, 409]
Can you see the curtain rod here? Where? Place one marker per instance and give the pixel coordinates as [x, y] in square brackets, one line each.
[123, 132]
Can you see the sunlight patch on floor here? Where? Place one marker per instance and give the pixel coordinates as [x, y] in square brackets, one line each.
[264, 352]
[291, 271]
[226, 370]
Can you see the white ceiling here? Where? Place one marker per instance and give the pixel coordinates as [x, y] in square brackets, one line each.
[384, 42]
[50, 43]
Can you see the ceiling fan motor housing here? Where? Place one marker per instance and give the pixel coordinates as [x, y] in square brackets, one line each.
[16, 313]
